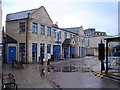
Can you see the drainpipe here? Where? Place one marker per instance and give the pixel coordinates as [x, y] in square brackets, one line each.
[27, 37]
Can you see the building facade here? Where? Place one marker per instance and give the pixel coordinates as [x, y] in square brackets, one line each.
[89, 32]
[92, 39]
[36, 35]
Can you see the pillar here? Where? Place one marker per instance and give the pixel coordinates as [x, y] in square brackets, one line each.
[68, 51]
[45, 49]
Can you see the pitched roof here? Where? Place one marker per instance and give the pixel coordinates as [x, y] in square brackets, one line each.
[56, 27]
[66, 42]
[73, 29]
[8, 39]
[19, 15]
[23, 14]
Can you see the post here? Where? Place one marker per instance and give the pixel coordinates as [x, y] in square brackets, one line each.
[101, 55]
[88, 46]
[106, 57]
[82, 48]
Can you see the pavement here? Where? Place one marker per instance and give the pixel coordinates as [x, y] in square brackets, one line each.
[64, 76]
[30, 75]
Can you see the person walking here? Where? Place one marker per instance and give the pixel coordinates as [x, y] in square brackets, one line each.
[49, 58]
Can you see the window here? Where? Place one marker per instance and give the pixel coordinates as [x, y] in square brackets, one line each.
[34, 52]
[22, 52]
[48, 48]
[59, 34]
[54, 33]
[22, 27]
[34, 27]
[42, 50]
[48, 31]
[65, 35]
[42, 30]
[71, 36]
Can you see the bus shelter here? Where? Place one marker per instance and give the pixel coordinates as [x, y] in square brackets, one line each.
[114, 56]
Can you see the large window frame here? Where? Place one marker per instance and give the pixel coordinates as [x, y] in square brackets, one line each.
[48, 48]
[34, 27]
[65, 35]
[71, 36]
[22, 52]
[59, 34]
[34, 52]
[22, 26]
[54, 33]
[42, 50]
[42, 29]
[48, 31]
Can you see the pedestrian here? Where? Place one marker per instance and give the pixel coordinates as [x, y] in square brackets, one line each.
[42, 57]
[49, 58]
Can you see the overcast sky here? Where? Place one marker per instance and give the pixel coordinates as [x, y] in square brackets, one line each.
[99, 14]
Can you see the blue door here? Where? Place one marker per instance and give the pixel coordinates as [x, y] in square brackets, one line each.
[42, 47]
[66, 52]
[56, 52]
[83, 51]
[71, 52]
[11, 54]
[34, 52]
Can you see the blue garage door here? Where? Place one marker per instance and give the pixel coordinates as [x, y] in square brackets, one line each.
[11, 54]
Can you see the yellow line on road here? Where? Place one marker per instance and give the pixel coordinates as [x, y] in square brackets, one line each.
[99, 75]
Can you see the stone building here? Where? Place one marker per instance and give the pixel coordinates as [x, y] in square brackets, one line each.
[34, 35]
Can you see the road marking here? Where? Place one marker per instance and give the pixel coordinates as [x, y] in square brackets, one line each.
[99, 75]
